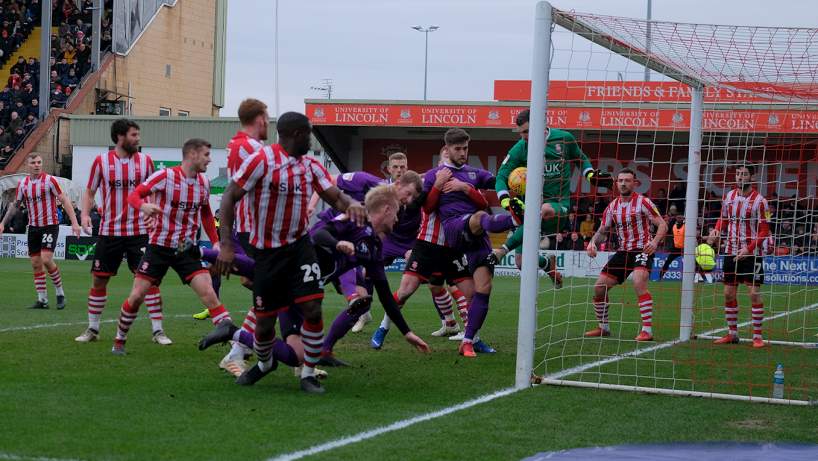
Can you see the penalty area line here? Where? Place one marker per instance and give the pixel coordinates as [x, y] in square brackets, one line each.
[51, 325]
[343, 441]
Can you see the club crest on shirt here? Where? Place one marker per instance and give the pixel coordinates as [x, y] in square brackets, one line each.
[96, 264]
[258, 301]
[472, 175]
[362, 247]
[348, 176]
[145, 266]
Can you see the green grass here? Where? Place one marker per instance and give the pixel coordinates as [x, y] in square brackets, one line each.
[61, 399]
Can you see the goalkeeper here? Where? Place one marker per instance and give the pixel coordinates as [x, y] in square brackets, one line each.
[561, 150]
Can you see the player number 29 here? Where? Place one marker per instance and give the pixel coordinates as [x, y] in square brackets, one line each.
[311, 272]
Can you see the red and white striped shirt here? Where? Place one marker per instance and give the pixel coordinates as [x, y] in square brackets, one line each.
[279, 188]
[116, 178]
[182, 201]
[744, 216]
[430, 230]
[238, 149]
[631, 220]
[41, 199]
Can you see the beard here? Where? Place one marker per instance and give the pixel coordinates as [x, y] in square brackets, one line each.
[130, 148]
[626, 193]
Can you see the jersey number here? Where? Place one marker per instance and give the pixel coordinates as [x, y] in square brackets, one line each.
[311, 272]
[48, 238]
[461, 267]
[642, 259]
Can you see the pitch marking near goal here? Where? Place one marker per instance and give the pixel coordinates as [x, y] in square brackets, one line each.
[343, 441]
[50, 325]
[32, 458]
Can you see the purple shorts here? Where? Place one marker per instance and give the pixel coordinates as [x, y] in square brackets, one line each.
[476, 247]
[393, 250]
[479, 253]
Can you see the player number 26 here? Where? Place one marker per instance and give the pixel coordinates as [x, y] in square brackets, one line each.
[48, 238]
[311, 272]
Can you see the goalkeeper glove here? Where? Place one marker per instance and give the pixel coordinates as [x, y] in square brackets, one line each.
[504, 203]
[600, 179]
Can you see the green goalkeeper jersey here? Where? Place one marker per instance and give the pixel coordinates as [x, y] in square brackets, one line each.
[561, 150]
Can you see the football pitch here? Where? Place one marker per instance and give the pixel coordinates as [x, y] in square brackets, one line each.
[64, 400]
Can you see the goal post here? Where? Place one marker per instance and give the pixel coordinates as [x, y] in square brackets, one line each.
[694, 163]
[529, 283]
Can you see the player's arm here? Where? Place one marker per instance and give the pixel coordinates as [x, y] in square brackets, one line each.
[345, 204]
[394, 313]
[661, 231]
[455, 185]
[87, 200]
[415, 205]
[763, 231]
[315, 197]
[227, 255]
[594, 176]
[12, 210]
[513, 160]
[327, 237]
[75, 227]
[598, 238]
[442, 176]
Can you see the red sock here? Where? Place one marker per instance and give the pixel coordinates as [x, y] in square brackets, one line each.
[758, 319]
[250, 322]
[462, 306]
[218, 314]
[397, 300]
[313, 338]
[646, 309]
[126, 317]
[55, 278]
[731, 314]
[153, 301]
[39, 284]
[96, 302]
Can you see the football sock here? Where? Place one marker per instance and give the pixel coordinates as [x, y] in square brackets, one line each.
[340, 326]
[443, 302]
[263, 345]
[387, 322]
[497, 223]
[478, 311]
[646, 309]
[347, 281]
[285, 354]
[56, 280]
[217, 314]
[544, 263]
[757, 311]
[516, 239]
[731, 314]
[153, 301]
[126, 317]
[462, 306]
[312, 336]
[601, 311]
[39, 284]
[96, 302]
[238, 346]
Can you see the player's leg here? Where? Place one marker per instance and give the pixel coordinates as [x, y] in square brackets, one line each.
[344, 322]
[54, 274]
[35, 237]
[730, 281]
[107, 258]
[203, 286]
[444, 305]
[96, 303]
[641, 277]
[127, 314]
[603, 285]
[754, 277]
[672, 256]
[478, 310]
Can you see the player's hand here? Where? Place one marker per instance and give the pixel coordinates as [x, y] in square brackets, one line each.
[742, 253]
[217, 246]
[417, 343]
[650, 248]
[601, 179]
[75, 229]
[86, 224]
[591, 249]
[504, 203]
[442, 177]
[226, 260]
[345, 247]
[150, 221]
[406, 256]
[2, 228]
[150, 209]
[455, 185]
[714, 233]
[356, 213]
[310, 210]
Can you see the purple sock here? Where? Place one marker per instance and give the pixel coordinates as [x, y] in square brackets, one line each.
[284, 353]
[477, 314]
[217, 283]
[497, 223]
[244, 265]
[348, 281]
[246, 338]
[342, 324]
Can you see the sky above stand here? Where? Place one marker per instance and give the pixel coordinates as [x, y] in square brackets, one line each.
[370, 51]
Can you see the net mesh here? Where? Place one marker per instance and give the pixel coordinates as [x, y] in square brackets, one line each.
[759, 95]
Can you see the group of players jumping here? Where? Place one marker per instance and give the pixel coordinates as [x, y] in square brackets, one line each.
[438, 222]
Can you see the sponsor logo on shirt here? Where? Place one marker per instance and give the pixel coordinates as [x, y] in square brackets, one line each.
[115, 183]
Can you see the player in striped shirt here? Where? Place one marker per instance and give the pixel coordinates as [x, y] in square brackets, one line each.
[745, 215]
[630, 216]
[123, 230]
[279, 181]
[41, 192]
[182, 205]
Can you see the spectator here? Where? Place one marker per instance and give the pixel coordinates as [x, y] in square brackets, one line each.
[70, 80]
[69, 54]
[60, 213]
[55, 80]
[93, 213]
[63, 29]
[677, 197]
[15, 122]
[106, 27]
[57, 97]
[105, 42]
[67, 40]
[81, 28]
[812, 250]
[83, 52]
[35, 107]
[29, 95]
[77, 210]
[661, 201]
[5, 114]
[586, 229]
[5, 96]
[14, 79]
[8, 151]
[16, 95]
[572, 225]
[67, 94]
[19, 221]
[21, 110]
[5, 138]
[31, 122]
[714, 204]
[785, 231]
[559, 243]
[83, 39]
[19, 137]
[62, 67]
[577, 244]
[6, 44]
[84, 68]
[33, 67]
[19, 67]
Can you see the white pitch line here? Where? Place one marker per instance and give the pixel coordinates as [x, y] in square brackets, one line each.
[392, 427]
[50, 325]
[34, 458]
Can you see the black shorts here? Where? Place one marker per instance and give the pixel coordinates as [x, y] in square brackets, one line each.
[289, 322]
[623, 263]
[749, 270]
[158, 259]
[42, 238]
[428, 258]
[287, 274]
[244, 241]
[110, 249]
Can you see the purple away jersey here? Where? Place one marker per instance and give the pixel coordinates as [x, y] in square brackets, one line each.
[368, 248]
[356, 185]
[456, 204]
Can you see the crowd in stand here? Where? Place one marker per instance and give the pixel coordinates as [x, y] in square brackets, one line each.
[70, 61]
[794, 223]
[19, 222]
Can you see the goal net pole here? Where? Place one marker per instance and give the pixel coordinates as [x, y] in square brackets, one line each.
[530, 278]
[694, 163]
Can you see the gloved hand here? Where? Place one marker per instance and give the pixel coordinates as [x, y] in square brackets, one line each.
[600, 179]
[504, 203]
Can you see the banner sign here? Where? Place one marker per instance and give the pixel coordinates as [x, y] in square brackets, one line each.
[80, 249]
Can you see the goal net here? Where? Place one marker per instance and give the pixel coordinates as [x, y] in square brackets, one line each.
[715, 97]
